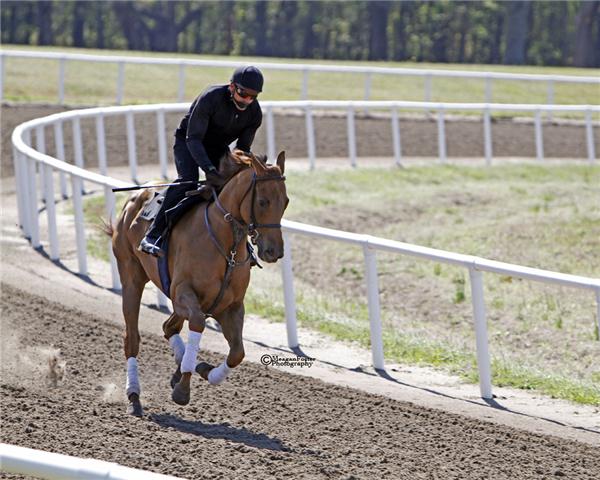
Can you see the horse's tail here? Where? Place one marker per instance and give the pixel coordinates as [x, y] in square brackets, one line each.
[107, 227]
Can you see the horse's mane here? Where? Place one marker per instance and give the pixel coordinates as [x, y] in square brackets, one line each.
[238, 160]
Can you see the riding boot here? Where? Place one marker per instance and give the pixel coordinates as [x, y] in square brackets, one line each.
[149, 243]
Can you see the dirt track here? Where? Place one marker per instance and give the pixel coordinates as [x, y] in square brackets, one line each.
[261, 424]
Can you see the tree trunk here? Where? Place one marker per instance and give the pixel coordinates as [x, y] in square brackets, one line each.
[78, 23]
[585, 52]
[100, 40]
[378, 39]
[44, 22]
[517, 23]
[262, 26]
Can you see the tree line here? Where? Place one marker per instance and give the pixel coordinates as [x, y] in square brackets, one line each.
[563, 33]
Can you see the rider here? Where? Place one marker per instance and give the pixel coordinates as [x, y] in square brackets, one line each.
[221, 114]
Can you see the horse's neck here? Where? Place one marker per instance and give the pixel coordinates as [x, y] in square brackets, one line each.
[233, 194]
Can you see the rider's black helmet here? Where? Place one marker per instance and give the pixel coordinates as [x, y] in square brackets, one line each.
[248, 77]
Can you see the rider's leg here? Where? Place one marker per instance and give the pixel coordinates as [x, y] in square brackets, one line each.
[187, 171]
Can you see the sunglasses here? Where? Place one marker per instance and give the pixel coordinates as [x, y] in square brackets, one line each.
[244, 94]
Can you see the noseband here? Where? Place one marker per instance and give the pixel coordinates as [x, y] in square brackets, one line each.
[240, 230]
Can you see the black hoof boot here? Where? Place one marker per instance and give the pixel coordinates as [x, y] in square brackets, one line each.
[135, 406]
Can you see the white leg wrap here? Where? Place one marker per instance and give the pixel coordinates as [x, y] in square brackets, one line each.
[218, 374]
[188, 362]
[133, 382]
[177, 347]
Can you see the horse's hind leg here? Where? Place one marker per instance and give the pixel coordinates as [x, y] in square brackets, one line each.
[232, 324]
[187, 306]
[132, 296]
[171, 328]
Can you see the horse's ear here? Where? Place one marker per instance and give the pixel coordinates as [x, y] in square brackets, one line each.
[281, 161]
[258, 166]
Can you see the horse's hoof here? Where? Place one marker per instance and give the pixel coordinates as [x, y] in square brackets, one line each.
[180, 395]
[203, 368]
[135, 406]
[175, 377]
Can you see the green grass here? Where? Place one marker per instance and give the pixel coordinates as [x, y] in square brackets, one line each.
[149, 84]
[541, 337]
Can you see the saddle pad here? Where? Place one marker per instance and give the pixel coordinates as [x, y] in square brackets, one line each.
[152, 207]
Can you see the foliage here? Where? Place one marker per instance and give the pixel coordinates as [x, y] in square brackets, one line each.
[490, 32]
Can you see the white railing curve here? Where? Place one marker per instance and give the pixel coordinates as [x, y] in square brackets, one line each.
[27, 158]
[368, 71]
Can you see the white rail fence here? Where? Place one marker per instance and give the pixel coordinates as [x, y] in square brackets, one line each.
[305, 69]
[26, 160]
[55, 466]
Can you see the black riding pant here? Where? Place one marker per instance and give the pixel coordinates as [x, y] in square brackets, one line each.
[187, 170]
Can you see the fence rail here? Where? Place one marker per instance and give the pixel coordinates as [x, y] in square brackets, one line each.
[305, 69]
[27, 159]
[55, 466]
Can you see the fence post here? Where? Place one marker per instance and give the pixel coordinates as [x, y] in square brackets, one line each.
[101, 143]
[270, 134]
[539, 140]
[289, 298]
[120, 82]
[131, 146]
[441, 136]
[481, 336]
[181, 90]
[162, 143]
[61, 81]
[589, 135]
[310, 137]
[304, 91]
[550, 97]
[78, 147]
[33, 199]
[488, 90]
[351, 136]
[487, 135]
[428, 87]
[77, 187]
[50, 211]
[40, 146]
[374, 310]
[396, 137]
[59, 144]
[21, 190]
[109, 209]
[598, 311]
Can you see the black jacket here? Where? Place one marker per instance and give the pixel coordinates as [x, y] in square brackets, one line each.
[213, 122]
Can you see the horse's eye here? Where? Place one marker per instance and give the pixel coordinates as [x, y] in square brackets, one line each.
[263, 202]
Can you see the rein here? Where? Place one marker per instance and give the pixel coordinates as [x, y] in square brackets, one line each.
[240, 230]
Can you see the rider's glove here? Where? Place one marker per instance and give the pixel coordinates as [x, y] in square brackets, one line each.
[214, 178]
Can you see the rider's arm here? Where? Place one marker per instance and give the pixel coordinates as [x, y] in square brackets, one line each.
[247, 136]
[197, 125]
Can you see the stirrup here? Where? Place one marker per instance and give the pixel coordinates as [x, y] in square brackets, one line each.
[146, 246]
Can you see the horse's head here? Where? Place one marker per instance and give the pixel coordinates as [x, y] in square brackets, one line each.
[263, 206]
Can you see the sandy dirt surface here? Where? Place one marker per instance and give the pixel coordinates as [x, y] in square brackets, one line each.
[62, 390]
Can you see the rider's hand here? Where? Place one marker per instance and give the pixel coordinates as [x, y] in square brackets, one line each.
[214, 178]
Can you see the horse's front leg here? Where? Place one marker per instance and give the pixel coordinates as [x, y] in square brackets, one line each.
[187, 306]
[171, 328]
[232, 324]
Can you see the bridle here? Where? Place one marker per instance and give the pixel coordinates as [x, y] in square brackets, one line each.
[240, 230]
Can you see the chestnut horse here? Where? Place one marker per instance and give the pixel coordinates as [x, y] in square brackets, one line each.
[208, 265]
